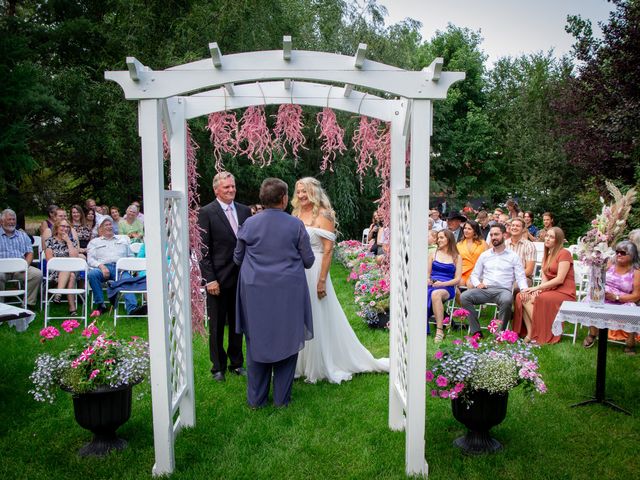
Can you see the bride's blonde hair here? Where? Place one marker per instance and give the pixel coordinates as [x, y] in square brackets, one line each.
[316, 195]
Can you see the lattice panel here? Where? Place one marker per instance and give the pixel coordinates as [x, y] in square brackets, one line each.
[401, 286]
[174, 280]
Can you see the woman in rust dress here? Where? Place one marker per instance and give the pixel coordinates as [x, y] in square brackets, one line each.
[536, 307]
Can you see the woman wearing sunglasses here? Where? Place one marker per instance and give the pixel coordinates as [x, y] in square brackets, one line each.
[622, 288]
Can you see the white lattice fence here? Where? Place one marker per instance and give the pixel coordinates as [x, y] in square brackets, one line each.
[400, 284]
[175, 279]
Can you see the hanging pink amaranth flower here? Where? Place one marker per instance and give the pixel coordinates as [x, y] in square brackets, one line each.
[332, 136]
[255, 132]
[288, 128]
[224, 131]
[195, 237]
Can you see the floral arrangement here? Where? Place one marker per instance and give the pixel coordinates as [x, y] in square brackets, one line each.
[372, 289]
[595, 248]
[288, 128]
[495, 365]
[99, 360]
[459, 314]
[348, 252]
[332, 136]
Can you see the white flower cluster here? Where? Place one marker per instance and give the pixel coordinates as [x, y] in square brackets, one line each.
[495, 373]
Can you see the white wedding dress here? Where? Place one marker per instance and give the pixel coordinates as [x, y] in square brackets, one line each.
[335, 353]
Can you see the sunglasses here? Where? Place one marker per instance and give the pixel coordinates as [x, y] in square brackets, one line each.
[621, 253]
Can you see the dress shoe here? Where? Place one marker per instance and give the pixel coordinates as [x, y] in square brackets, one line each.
[218, 376]
[240, 371]
[141, 310]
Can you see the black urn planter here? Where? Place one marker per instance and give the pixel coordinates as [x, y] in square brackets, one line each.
[381, 321]
[102, 412]
[486, 411]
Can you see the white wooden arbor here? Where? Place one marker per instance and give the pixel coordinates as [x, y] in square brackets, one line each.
[177, 94]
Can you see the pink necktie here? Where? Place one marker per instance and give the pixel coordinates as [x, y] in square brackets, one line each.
[232, 220]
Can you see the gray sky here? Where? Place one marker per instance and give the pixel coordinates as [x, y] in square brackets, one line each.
[509, 27]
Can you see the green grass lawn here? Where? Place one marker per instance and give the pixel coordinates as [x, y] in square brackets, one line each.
[329, 431]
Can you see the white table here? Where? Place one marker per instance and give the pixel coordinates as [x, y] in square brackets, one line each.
[16, 317]
[603, 317]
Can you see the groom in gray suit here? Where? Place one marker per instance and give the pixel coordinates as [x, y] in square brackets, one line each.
[273, 308]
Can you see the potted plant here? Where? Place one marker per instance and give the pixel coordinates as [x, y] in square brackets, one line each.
[477, 375]
[371, 291]
[99, 372]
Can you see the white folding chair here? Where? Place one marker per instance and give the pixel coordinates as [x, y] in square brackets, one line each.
[66, 264]
[365, 235]
[123, 237]
[37, 247]
[15, 265]
[135, 247]
[131, 265]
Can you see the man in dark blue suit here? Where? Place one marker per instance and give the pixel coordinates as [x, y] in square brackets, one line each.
[273, 307]
[220, 221]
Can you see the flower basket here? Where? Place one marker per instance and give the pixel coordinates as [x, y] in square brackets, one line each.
[477, 375]
[102, 411]
[99, 372]
[479, 414]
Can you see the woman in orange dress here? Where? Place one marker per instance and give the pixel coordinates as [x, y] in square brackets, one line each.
[470, 248]
[538, 306]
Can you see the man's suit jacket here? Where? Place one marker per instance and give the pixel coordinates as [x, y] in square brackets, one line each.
[219, 242]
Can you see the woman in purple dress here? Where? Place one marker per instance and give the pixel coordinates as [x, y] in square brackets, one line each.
[622, 288]
[445, 271]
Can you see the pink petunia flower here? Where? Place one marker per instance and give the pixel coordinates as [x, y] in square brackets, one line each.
[49, 333]
[457, 341]
[438, 355]
[94, 374]
[69, 325]
[429, 376]
[442, 381]
[434, 393]
[444, 394]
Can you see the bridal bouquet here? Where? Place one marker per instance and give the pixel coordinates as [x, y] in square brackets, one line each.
[496, 365]
[98, 360]
[595, 248]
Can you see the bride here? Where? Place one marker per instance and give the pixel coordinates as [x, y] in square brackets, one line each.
[334, 353]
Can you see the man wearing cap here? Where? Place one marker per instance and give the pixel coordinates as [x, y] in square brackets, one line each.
[454, 223]
[102, 254]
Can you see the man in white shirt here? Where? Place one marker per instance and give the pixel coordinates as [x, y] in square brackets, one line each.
[102, 254]
[492, 279]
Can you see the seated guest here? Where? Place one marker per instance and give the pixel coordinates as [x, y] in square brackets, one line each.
[470, 248]
[90, 218]
[496, 215]
[81, 228]
[454, 224]
[525, 249]
[532, 230]
[438, 224]
[374, 229]
[538, 306]
[61, 214]
[513, 208]
[432, 241]
[493, 277]
[485, 225]
[102, 254]
[61, 244]
[114, 212]
[139, 207]
[47, 224]
[90, 204]
[445, 270]
[16, 244]
[622, 288]
[131, 226]
[548, 221]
